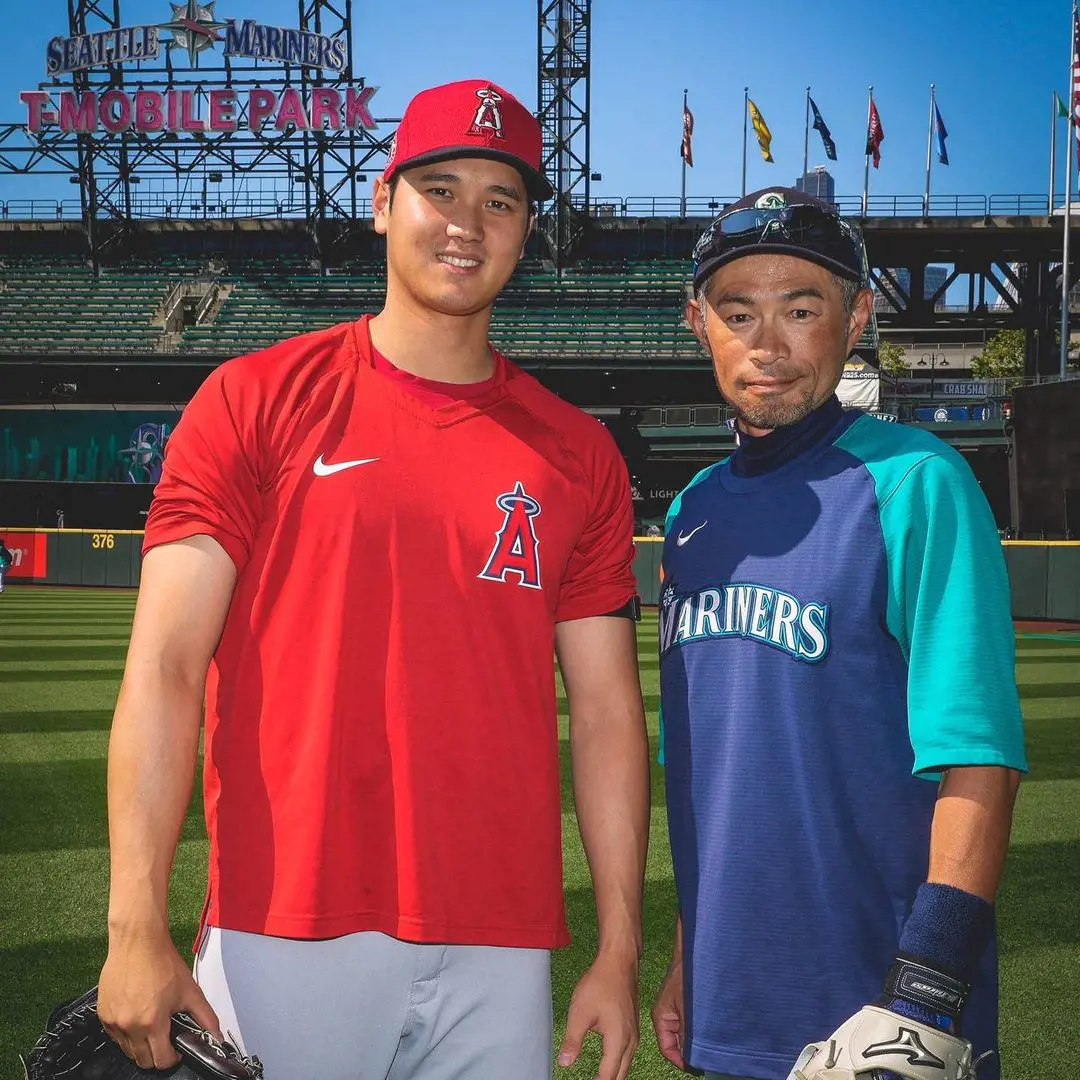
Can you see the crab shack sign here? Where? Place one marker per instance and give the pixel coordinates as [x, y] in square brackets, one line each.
[195, 30]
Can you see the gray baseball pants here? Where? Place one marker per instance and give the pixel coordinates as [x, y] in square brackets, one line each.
[370, 1007]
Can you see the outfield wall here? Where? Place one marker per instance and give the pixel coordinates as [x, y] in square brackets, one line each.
[1044, 575]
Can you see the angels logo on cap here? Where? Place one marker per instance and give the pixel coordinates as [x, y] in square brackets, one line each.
[488, 114]
[470, 118]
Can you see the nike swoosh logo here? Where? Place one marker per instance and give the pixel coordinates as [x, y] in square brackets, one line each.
[320, 468]
[680, 539]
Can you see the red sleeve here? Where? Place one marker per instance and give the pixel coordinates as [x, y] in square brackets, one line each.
[210, 479]
[600, 574]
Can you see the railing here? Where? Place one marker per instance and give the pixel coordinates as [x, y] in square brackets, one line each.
[989, 402]
[288, 205]
[263, 206]
[673, 418]
[849, 205]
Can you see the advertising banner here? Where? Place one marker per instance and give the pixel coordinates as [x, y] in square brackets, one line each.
[84, 445]
[29, 554]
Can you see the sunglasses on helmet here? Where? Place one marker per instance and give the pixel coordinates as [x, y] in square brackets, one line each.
[812, 228]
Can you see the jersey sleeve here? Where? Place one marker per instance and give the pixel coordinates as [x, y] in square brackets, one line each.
[599, 575]
[210, 479]
[950, 611]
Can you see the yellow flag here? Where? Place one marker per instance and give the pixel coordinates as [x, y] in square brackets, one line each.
[761, 129]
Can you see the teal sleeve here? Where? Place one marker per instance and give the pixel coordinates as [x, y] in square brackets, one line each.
[948, 607]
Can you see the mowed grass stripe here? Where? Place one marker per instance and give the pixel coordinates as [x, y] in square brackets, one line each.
[86, 630]
[52, 651]
[50, 722]
[34, 747]
[54, 859]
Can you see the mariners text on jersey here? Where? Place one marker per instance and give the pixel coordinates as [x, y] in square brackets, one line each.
[754, 612]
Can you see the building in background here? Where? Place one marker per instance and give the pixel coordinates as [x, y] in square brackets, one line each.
[818, 182]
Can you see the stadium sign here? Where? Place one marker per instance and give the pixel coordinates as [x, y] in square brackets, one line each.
[979, 388]
[195, 29]
[150, 111]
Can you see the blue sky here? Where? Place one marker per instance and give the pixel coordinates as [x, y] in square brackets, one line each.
[995, 64]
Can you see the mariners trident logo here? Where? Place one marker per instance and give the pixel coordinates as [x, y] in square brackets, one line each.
[516, 550]
[488, 114]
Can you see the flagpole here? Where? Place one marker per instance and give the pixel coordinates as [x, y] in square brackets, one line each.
[745, 114]
[929, 155]
[866, 174]
[1064, 359]
[682, 197]
[806, 141]
[1053, 147]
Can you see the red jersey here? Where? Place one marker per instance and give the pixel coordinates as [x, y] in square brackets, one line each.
[381, 746]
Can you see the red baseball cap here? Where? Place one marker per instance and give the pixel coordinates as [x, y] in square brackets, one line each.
[472, 118]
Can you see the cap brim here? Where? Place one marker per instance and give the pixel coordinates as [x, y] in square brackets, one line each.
[708, 266]
[536, 185]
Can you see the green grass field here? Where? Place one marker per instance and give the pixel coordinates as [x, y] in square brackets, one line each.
[61, 655]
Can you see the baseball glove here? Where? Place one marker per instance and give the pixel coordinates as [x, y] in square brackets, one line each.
[76, 1047]
[876, 1041]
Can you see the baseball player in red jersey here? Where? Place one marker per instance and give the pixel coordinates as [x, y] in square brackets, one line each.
[381, 771]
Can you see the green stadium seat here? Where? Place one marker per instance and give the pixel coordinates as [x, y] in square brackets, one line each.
[602, 311]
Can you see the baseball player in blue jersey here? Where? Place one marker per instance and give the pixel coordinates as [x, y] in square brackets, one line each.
[841, 725]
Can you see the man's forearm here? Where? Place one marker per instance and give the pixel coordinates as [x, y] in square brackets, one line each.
[970, 833]
[611, 792]
[152, 755]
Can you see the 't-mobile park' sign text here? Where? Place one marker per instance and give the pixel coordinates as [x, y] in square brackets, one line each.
[149, 111]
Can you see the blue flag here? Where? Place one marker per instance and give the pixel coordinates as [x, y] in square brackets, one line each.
[942, 135]
[826, 135]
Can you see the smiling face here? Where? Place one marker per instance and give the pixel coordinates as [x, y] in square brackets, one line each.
[454, 231]
[778, 334]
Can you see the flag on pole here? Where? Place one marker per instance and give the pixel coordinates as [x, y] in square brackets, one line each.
[1062, 112]
[686, 150]
[942, 135]
[875, 135]
[1075, 88]
[822, 128]
[761, 130]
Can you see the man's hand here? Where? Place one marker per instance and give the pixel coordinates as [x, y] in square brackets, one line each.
[668, 1018]
[605, 1001]
[144, 981]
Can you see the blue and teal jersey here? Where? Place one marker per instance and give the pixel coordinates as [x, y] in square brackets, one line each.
[834, 633]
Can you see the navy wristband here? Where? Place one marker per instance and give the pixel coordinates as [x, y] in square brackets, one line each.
[948, 929]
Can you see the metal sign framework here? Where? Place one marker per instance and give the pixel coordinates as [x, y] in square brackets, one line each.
[326, 165]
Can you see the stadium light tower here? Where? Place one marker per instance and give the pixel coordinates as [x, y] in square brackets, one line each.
[563, 95]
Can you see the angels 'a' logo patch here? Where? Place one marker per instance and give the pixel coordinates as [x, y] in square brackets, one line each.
[488, 115]
[906, 1044]
[517, 550]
